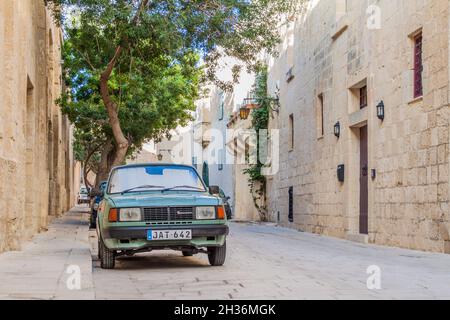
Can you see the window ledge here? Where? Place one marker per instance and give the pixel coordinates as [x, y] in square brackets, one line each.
[339, 32]
[340, 27]
[416, 100]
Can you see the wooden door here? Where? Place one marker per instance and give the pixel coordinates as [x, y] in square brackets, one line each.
[364, 183]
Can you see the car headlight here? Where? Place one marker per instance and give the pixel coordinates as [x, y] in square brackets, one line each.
[130, 214]
[205, 213]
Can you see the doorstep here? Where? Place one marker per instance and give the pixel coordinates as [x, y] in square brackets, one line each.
[360, 238]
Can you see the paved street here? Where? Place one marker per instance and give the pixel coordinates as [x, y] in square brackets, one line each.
[264, 262]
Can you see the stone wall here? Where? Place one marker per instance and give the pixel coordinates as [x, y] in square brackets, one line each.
[334, 49]
[36, 166]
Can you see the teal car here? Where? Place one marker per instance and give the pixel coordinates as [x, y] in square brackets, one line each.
[160, 206]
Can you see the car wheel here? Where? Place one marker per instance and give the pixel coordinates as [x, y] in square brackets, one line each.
[107, 256]
[187, 253]
[216, 255]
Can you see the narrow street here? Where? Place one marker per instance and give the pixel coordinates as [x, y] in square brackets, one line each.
[263, 262]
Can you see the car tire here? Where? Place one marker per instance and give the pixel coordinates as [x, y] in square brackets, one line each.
[216, 255]
[107, 256]
[187, 253]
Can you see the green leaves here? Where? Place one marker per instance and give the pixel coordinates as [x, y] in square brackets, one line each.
[260, 121]
[167, 49]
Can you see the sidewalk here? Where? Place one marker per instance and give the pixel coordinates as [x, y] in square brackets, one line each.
[39, 271]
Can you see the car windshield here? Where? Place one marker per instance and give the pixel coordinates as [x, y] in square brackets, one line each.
[151, 178]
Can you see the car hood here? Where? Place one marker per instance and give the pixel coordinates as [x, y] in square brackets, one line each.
[163, 200]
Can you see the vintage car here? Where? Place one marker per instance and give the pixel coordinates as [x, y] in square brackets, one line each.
[160, 206]
[83, 195]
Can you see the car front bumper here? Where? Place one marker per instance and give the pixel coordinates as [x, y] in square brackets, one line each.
[135, 238]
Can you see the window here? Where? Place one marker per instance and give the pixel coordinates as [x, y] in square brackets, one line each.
[153, 178]
[320, 126]
[247, 150]
[221, 160]
[221, 107]
[363, 97]
[418, 66]
[291, 204]
[291, 132]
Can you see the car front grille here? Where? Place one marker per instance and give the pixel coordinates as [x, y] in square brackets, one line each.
[169, 214]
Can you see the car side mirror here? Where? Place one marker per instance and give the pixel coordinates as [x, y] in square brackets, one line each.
[214, 190]
[227, 198]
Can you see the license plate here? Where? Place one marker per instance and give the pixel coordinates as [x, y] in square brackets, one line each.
[154, 235]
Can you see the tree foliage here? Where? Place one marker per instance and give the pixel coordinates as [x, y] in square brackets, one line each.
[134, 67]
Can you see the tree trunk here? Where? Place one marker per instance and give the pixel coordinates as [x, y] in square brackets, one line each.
[86, 171]
[122, 143]
[105, 164]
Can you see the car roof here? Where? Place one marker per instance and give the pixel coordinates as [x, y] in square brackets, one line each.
[137, 165]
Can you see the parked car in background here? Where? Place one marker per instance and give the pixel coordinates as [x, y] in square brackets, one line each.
[160, 206]
[95, 203]
[83, 195]
[226, 204]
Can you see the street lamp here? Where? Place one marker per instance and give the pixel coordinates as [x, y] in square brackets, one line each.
[244, 113]
[380, 110]
[337, 129]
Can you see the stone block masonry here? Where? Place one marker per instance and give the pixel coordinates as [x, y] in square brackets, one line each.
[340, 57]
[36, 158]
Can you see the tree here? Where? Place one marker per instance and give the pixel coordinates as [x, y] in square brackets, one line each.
[140, 60]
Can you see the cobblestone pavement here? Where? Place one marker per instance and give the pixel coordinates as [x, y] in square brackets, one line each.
[266, 262]
[42, 268]
[263, 262]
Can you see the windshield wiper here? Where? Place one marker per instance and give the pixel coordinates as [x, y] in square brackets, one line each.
[187, 187]
[145, 186]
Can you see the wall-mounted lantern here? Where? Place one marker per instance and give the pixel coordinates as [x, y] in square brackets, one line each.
[380, 110]
[341, 173]
[337, 129]
[244, 112]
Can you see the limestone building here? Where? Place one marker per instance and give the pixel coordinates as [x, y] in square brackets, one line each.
[219, 137]
[213, 141]
[36, 167]
[365, 89]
